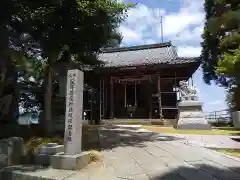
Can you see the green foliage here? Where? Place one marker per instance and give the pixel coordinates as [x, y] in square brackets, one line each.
[35, 34]
[230, 100]
[230, 64]
[80, 27]
[221, 35]
[221, 47]
[33, 145]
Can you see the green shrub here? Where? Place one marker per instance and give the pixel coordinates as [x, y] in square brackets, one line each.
[33, 145]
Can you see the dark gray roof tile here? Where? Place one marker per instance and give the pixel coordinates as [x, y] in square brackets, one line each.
[163, 53]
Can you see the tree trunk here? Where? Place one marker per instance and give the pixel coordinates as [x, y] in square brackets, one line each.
[48, 124]
[9, 98]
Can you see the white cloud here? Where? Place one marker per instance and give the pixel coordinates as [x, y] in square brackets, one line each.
[193, 35]
[149, 41]
[188, 51]
[183, 28]
[130, 35]
[180, 24]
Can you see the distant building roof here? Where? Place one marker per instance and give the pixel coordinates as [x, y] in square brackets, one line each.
[163, 53]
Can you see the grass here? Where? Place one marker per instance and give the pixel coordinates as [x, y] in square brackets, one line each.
[133, 122]
[214, 131]
[90, 140]
[231, 152]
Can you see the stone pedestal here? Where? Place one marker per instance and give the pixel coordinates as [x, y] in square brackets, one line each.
[191, 116]
[73, 158]
[236, 119]
[70, 162]
[46, 152]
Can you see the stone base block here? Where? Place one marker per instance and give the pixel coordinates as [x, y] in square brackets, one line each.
[194, 126]
[45, 153]
[236, 119]
[42, 159]
[191, 116]
[51, 148]
[193, 122]
[70, 162]
[190, 103]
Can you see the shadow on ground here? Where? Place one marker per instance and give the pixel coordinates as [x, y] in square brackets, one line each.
[114, 136]
[236, 139]
[15, 172]
[197, 172]
[200, 172]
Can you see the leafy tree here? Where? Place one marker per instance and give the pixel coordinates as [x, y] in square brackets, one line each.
[221, 34]
[221, 43]
[230, 67]
[11, 57]
[75, 28]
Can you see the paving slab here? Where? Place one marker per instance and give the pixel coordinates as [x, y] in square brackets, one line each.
[180, 151]
[139, 177]
[216, 170]
[131, 154]
[156, 151]
[209, 141]
[34, 173]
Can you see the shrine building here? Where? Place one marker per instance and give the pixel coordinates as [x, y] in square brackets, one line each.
[138, 82]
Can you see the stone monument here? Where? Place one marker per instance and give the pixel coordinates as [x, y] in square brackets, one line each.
[72, 158]
[190, 109]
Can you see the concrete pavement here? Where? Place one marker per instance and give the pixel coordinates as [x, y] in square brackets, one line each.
[130, 153]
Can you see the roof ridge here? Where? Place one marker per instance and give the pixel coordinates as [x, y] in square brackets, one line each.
[135, 48]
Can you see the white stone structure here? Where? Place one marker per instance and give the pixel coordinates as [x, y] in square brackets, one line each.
[72, 158]
[190, 109]
[236, 119]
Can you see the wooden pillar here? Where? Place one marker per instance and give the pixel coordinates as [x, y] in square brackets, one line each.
[111, 99]
[177, 93]
[103, 99]
[106, 101]
[100, 101]
[159, 97]
[150, 96]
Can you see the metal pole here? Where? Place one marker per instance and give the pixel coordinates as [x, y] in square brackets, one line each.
[158, 15]
[162, 28]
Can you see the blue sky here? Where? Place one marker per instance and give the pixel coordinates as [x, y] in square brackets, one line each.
[183, 22]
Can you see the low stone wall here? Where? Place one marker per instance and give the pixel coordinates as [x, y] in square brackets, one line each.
[11, 151]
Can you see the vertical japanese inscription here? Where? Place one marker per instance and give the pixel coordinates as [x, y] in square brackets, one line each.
[70, 110]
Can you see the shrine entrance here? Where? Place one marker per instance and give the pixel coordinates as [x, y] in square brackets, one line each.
[131, 100]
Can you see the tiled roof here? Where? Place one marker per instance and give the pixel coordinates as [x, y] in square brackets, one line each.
[163, 53]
